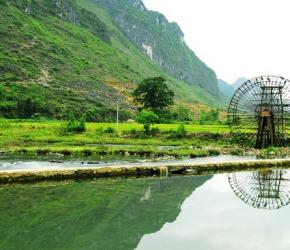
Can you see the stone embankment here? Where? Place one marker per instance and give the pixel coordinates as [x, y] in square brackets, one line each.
[28, 176]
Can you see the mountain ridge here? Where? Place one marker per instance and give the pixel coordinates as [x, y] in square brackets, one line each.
[226, 88]
[236, 84]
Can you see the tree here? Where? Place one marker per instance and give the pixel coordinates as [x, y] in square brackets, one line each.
[153, 93]
[147, 118]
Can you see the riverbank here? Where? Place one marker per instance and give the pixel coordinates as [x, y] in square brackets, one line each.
[162, 169]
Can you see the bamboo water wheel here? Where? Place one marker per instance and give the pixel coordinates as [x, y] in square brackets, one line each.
[259, 111]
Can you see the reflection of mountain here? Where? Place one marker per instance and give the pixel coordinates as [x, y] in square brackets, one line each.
[107, 214]
[268, 189]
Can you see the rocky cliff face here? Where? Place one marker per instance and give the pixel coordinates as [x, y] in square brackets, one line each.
[162, 42]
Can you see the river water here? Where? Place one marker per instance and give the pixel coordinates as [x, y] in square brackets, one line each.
[45, 164]
[226, 211]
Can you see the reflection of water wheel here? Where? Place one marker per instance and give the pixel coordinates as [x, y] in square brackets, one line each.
[263, 189]
[259, 111]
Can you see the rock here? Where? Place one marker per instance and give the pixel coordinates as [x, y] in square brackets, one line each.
[16, 163]
[93, 162]
[56, 161]
[130, 121]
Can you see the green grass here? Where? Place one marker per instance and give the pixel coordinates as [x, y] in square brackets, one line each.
[43, 137]
[50, 138]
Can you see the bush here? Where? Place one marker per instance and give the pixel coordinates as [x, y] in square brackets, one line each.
[155, 131]
[76, 126]
[213, 151]
[181, 131]
[133, 131]
[147, 118]
[109, 130]
[269, 152]
[38, 117]
[166, 116]
[99, 130]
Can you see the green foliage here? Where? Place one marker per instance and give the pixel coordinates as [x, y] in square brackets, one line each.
[27, 108]
[51, 137]
[269, 152]
[183, 114]
[181, 131]
[154, 131]
[4, 123]
[147, 118]
[76, 126]
[110, 130]
[210, 117]
[153, 93]
[166, 115]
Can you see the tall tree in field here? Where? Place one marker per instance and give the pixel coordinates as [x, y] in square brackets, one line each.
[153, 93]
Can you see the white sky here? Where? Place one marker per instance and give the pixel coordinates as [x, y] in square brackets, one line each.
[237, 38]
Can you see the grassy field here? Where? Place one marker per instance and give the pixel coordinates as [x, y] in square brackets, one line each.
[93, 127]
[45, 137]
[50, 139]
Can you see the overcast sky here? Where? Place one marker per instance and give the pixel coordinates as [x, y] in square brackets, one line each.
[237, 38]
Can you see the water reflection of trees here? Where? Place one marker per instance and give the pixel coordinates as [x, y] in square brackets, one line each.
[267, 189]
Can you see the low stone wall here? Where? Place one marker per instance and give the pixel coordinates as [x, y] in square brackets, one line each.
[27, 176]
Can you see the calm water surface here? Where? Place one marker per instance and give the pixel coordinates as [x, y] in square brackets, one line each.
[235, 211]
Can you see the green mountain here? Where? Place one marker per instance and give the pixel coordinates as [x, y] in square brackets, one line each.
[238, 83]
[60, 56]
[226, 89]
